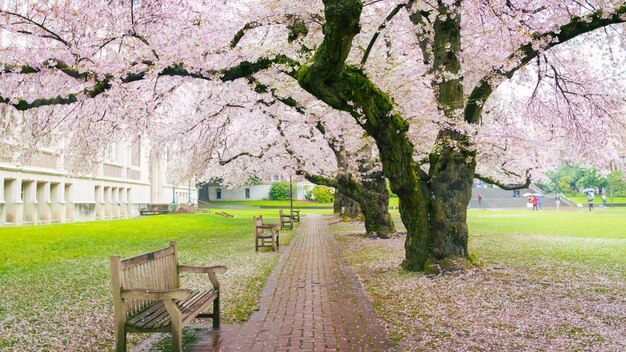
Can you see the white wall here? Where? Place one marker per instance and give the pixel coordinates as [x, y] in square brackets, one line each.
[257, 192]
[53, 196]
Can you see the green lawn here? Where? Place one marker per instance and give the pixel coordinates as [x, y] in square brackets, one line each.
[272, 203]
[593, 240]
[549, 281]
[582, 199]
[55, 282]
[393, 202]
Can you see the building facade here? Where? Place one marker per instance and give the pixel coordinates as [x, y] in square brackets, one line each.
[215, 192]
[39, 190]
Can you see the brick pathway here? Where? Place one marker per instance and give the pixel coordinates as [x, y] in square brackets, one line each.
[312, 302]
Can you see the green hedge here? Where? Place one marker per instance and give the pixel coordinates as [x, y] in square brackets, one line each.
[280, 191]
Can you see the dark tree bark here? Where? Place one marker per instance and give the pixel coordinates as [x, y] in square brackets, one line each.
[372, 198]
[432, 206]
[350, 207]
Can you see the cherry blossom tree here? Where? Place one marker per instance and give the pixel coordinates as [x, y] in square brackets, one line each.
[212, 145]
[431, 82]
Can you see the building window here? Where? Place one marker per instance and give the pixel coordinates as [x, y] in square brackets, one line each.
[218, 193]
[276, 178]
[135, 153]
[247, 193]
[111, 153]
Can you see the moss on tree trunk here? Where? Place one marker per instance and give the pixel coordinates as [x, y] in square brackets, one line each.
[346, 205]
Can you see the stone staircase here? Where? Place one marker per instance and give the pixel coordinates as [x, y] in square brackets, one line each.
[496, 198]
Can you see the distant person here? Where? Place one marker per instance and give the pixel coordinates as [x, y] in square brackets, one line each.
[540, 203]
[590, 200]
[480, 199]
[535, 201]
[557, 201]
[604, 200]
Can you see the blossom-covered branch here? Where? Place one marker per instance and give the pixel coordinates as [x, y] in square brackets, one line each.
[531, 50]
[242, 70]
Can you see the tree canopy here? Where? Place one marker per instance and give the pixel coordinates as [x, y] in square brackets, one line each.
[447, 90]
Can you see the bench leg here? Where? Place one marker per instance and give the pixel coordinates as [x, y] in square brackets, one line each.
[216, 312]
[120, 339]
[177, 338]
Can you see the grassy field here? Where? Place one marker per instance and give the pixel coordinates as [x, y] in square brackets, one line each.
[549, 281]
[393, 202]
[582, 199]
[55, 282]
[272, 203]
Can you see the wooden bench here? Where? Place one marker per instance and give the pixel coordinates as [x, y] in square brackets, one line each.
[148, 298]
[266, 235]
[286, 221]
[295, 215]
[153, 212]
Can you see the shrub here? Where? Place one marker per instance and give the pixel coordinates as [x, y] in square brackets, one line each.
[322, 194]
[280, 191]
[308, 193]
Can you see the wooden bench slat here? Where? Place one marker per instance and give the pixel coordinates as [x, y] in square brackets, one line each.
[143, 258]
[155, 316]
[164, 318]
[192, 305]
[141, 318]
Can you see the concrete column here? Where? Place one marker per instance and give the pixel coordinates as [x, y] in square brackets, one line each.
[99, 200]
[29, 189]
[3, 205]
[57, 205]
[129, 203]
[122, 203]
[13, 201]
[115, 202]
[43, 202]
[69, 202]
[107, 203]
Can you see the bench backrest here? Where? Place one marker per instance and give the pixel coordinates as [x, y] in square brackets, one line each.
[258, 222]
[156, 270]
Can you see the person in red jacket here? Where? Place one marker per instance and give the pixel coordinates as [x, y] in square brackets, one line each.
[535, 201]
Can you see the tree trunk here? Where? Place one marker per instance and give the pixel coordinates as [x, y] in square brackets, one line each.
[375, 206]
[432, 205]
[371, 196]
[350, 207]
[451, 186]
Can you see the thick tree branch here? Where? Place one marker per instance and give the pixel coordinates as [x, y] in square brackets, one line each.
[296, 25]
[50, 64]
[248, 154]
[262, 88]
[242, 70]
[506, 187]
[382, 26]
[526, 53]
[321, 180]
[347, 88]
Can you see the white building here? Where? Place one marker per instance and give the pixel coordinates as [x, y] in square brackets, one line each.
[260, 191]
[40, 191]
